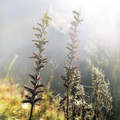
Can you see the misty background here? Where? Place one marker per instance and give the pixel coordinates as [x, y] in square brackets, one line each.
[101, 25]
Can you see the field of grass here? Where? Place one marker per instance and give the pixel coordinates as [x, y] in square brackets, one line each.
[12, 108]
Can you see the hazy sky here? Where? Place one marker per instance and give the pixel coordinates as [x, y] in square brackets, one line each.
[17, 17]
[101, 23]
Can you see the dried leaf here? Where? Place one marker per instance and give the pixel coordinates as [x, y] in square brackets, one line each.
[29, 89]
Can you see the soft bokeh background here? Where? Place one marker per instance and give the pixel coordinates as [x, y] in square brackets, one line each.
[101, 24]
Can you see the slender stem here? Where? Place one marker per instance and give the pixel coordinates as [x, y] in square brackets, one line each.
[73, 109]
[31, 112]
[67, 102]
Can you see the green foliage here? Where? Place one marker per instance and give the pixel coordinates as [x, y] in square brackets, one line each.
[110, 63]
[116, 88]
[96, 56]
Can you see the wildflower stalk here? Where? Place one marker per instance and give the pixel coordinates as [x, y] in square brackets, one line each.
[102, 95]
[70, 69]
[39, 61]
